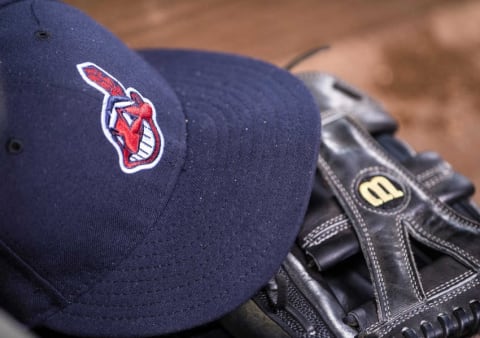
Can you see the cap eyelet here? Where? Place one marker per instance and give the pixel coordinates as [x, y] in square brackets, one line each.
[14, 146]
[42, 34]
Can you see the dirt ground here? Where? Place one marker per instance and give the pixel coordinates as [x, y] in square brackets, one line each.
[420, 58]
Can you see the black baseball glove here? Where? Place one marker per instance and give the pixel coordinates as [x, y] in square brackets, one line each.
[390, 246]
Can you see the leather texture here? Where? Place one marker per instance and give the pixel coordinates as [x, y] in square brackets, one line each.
[407, 292]
[389, 245]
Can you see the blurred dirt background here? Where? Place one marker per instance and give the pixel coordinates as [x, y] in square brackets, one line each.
[420, 58]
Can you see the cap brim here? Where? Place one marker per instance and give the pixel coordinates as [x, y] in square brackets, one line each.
[252, 139]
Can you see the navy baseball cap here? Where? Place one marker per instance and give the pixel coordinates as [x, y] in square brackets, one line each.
[142, 192]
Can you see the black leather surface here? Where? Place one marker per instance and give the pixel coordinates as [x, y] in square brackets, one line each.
[415, 257]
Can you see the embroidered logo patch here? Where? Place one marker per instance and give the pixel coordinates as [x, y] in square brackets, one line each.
[378, 190]
[128, 120]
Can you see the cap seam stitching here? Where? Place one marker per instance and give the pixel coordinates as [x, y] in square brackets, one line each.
[58, 86]
[27, 271]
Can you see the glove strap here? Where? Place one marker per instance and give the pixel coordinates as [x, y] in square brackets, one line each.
[387, 206]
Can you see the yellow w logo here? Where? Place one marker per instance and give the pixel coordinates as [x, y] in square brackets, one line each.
[379, 190]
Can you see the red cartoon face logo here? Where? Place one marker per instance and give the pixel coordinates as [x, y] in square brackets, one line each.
[128, 120]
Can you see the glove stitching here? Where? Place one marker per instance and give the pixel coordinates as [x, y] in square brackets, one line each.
[449, 283]
[321, 227]
[441, 176]
[329, 234]
[439, 168]
[382, 297]
[328, 113]
[438, 242]
[424, 307]
[324, 234]
[455, 217]
[407, 255]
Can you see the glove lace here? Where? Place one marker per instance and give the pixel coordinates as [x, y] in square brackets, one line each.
[461, 323]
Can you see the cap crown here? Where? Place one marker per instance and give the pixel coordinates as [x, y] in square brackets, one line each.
[71, 206]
